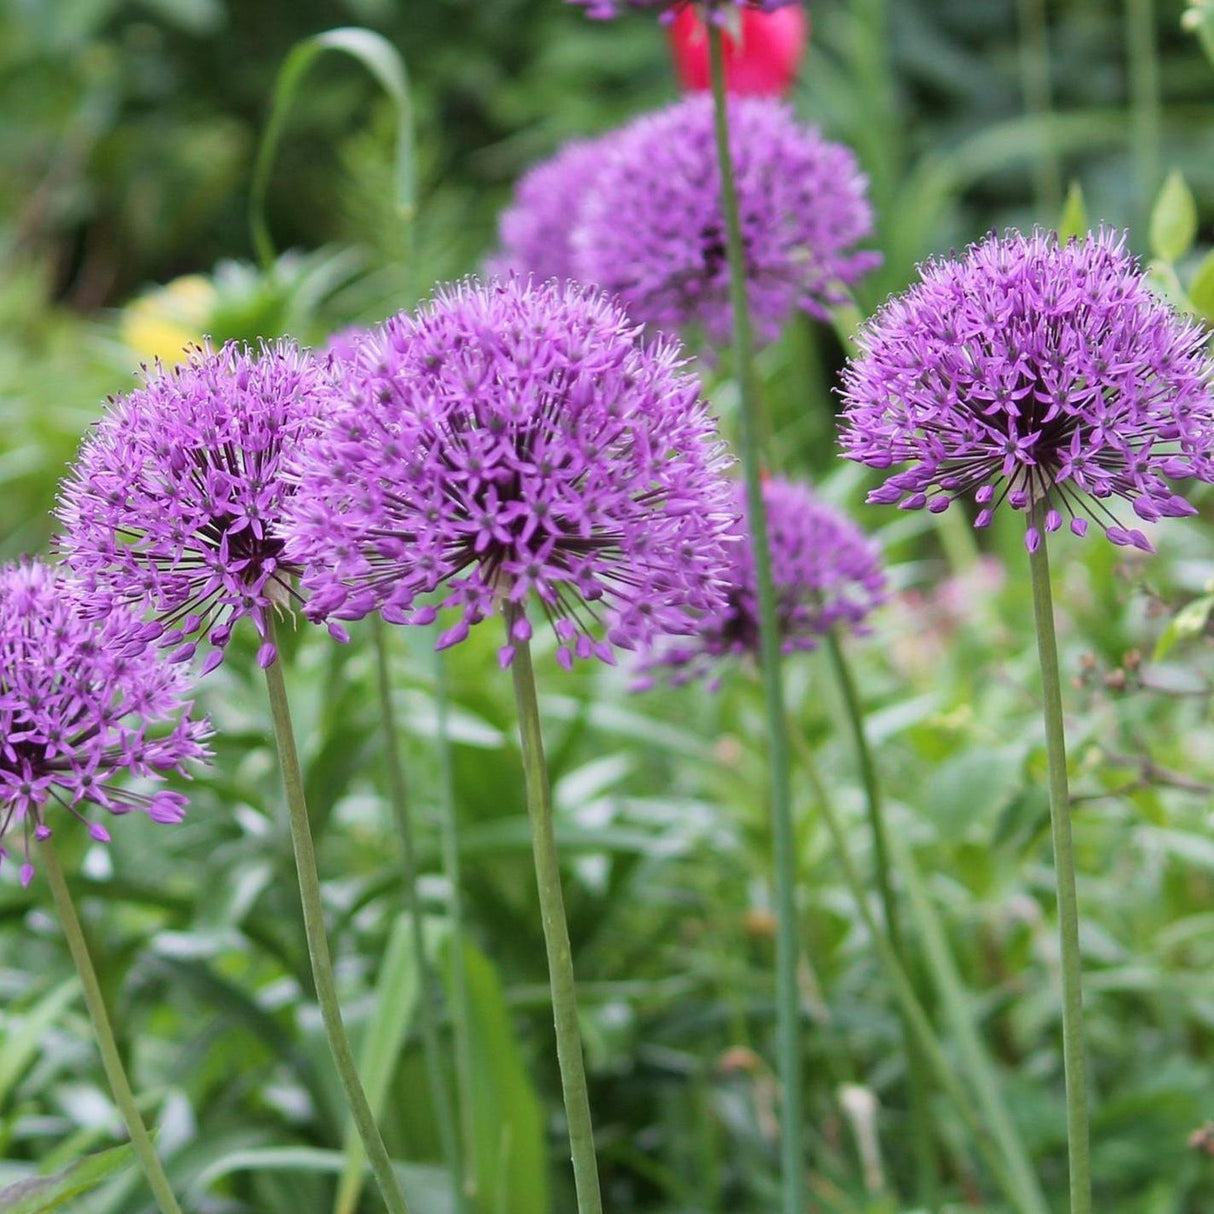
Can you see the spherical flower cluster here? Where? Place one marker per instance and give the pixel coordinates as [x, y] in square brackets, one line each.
[175, 503]
[717, 10]
[652, 231]
[827, 574]
[515, 439]
[1031, 371]
[83, 703]
[534, 230]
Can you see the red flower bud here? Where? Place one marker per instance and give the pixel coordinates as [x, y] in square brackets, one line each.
[763, 65]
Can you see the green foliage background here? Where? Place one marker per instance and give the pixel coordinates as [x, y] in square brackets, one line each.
[126, 142]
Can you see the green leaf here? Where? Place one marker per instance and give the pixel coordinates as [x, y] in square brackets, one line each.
[1199, 19]
[509, 1158]
[1189, 621]
[395, 1002]
[24, 1033]
[1173, 219]
[41, 1194]
[384, 63]
[1201, 288]
[427, 1188]
[1074, 218]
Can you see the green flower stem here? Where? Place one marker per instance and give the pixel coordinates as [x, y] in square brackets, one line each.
[556, 929]
[1039, 100]
[318, 944]
[460, 1005]
[904, 991]
[427, 1020]
[1146, 113]
[111, 1060]
[927, 1173]
[1074, 1063]
[788, 1018]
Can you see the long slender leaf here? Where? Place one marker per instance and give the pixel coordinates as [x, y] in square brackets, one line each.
[42, 1194]
[21, 1044]
[382, 61]
[396, 996]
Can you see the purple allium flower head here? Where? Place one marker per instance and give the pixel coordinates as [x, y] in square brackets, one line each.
[516, 437]
[1030, 370]
[175, 503]
[534, 230]
[717, 10]
[827, 574]
[83, 703]
[652, 231]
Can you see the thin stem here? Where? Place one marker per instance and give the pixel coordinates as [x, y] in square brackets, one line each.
[111, 1060]
[460, 1004]
[1146, 117]
[556, 929]
[927, 1173]
[904, 992]
[1039, 101]
[788, 1018]
[1074, 1063]
[318, 944]
[427, 1020]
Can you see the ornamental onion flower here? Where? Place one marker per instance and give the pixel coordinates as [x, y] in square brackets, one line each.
[717, 10]
[827, 574]
[176, 501]
[1034, 371]
[534, 229]
[652, 231]
[760, 60]
[514, 439]
[84, 704]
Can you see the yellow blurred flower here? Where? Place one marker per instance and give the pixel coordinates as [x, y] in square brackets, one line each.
[162, 322]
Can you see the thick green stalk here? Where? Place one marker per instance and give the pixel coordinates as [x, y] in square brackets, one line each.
[460, 1006]
[111, 1060]
[318, 944]
[1146, 112]
[556, 929]
[788, 1015]
[904, 991]
[927, 1174]
[1074, 1062]
[427, 1020]
[1039, 101]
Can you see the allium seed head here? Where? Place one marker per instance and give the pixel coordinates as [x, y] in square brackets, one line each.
[516, 441]
[1029, 370]
[652, 231]
[827, 574]
[175, 504]
[83, 704]
[534, 229]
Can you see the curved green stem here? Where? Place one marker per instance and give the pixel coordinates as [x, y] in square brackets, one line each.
[788, 1015]
[428, 1023]
[460, 1013]
[904, 991]
[1074, 1062]
[318, 944]
[111, 1059]
[556, 929]
[916, 1068]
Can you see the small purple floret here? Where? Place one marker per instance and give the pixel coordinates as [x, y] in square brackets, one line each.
[175, 504]
[84, 703]
[827, 575]
[1031, 370]
[605, 10]
[652, 230]
[515, 441]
